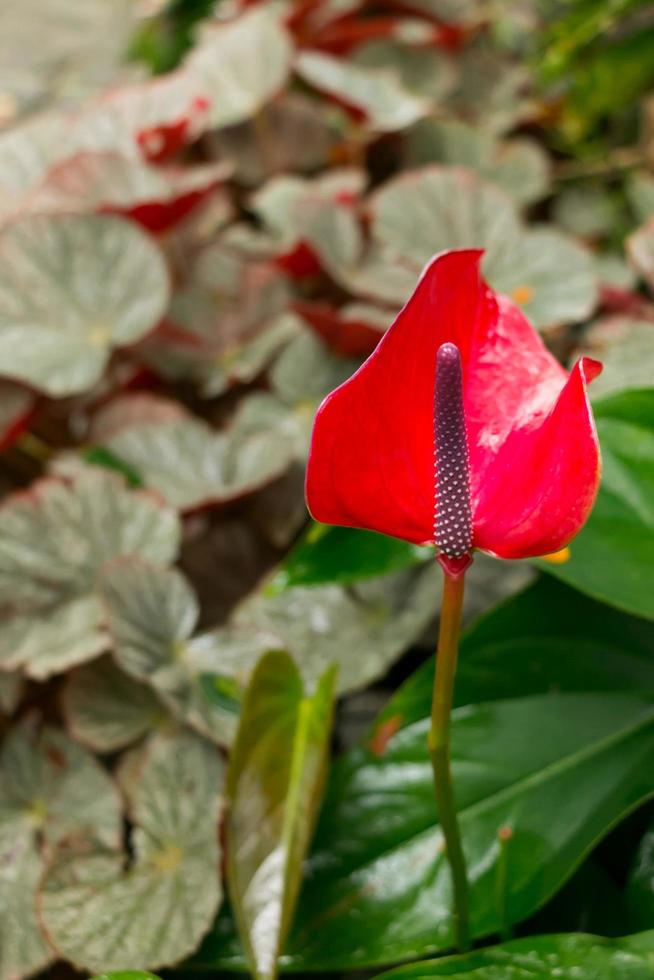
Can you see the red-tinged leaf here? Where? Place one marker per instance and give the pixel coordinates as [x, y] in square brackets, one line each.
[155, 197]
[16, 409]
[353, 330]
[534, 456]
[375, 95]
[162, 114]
[274, 788]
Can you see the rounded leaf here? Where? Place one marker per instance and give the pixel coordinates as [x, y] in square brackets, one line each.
[72, 287]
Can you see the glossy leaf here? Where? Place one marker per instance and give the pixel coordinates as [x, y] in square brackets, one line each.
[611, 558]
[107, 710]
[378, 888]
[376, 93]
[50, 790]
[640, 890]
[546, 639]
[275, 780]
[340, 554]
[100, 916]
[321, 625]
[54, 542]
[575, 955]
[152, 614]
[71, 289]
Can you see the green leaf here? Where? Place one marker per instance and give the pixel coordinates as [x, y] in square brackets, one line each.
[378, 887]
[519, 166]
[640, 883]
[546, 639]
[54, 542]
[152, 614]
[189, 463]
[321, 625]
[339, 554]
[241, 65]
[640, 248]
[53, 52]
[125, 975]
[376, 92]
[625, 345]
[549, 274]
[107, 710]
[612, 556]
[51, 790]
[100, 916]
[73, 287]
[275, 781]
[574, 956]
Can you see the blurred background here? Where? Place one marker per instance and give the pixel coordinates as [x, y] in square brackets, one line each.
[209, 214]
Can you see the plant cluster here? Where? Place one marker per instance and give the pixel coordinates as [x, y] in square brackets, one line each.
[189, 263]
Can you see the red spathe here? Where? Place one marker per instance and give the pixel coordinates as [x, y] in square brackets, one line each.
[533, 448]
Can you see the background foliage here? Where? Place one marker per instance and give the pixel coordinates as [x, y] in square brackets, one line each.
[209, 214]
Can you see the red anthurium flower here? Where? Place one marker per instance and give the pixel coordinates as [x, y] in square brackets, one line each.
[387, 441]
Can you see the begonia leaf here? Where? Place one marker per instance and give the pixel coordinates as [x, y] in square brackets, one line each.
[625, 346]
[640, 193]
[190, 464]
[275, 781]
[376, 93]
[71, 289]
[152, 615]
[241, 65]
[494, 88]
[106, 709]
[577, 955]
[16, 407]
[100, 916]
[296, 136]
[11, 690]
[54, 542]
[51, 791]
[52, 50]
[640, 248]
[548, 274]
[519, 166]
[156, 197]
[425, 71]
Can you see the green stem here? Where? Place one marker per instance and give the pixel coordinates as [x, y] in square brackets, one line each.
[439, 750]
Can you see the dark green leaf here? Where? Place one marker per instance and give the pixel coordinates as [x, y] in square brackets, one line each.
[570, 957]
[274, 785]
[343, 554]
[546, 639]
[611, 559]
[640, 887]
[557, 770]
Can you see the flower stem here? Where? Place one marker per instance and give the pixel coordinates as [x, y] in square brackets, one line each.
[439, 749]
